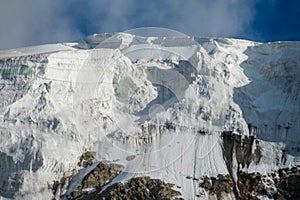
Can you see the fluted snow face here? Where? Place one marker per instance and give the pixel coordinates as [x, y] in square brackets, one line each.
[162, 101]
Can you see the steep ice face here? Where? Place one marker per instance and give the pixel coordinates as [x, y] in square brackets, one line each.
[168, 104]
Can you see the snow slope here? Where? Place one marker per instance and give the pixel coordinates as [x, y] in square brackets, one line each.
[166, 102]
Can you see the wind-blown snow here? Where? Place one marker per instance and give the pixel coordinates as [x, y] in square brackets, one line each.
[164, 100]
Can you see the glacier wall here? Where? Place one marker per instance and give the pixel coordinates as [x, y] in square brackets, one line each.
[171, 105]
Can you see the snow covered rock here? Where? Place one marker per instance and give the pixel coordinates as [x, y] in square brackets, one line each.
[173, 108]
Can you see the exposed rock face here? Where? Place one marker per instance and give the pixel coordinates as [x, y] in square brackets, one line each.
[250, 185]
[86, 159]
[288, 183]
[140, 188]
[102, 174]
[218, 186]
[241, 147]
[136, 188]
[281, 184]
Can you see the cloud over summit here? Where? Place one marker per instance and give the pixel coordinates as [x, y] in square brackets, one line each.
[34, 22]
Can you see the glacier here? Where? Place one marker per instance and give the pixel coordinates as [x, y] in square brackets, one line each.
[172, 108]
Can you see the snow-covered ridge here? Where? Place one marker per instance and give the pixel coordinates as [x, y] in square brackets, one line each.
[166, 102]
[32, 50]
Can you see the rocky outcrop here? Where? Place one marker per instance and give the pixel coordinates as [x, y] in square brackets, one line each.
[288, 183]
[250, 185]
[140, 188]
[94, 179]
[86, 159]
[242, 147]
[281, 184]
[102, 174]
[218, 186]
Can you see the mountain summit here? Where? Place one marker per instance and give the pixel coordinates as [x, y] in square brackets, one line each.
[120, 116]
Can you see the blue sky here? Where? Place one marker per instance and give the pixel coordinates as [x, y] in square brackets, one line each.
[33, 22]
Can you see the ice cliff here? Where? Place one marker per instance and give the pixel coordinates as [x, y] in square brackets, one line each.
[178, 109]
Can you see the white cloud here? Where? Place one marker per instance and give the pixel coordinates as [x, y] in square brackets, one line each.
[35, 22]
[194, 17]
